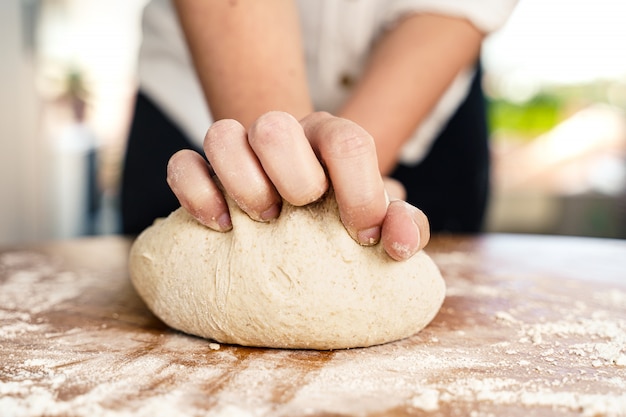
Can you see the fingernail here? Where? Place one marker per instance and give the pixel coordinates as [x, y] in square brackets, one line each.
[225, 222]
[368, 237]
[271, 213]
[419, 235]
[403, 251]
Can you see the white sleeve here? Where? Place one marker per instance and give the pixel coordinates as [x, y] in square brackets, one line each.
[486, 15]
[166, 72]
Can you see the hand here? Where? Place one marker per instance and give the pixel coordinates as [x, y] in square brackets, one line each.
[280, 157]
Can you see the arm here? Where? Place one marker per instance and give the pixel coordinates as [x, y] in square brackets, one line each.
[248, 56]
[250, 60]
[407, 73]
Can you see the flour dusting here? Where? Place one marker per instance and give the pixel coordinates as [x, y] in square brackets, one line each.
[74, 343]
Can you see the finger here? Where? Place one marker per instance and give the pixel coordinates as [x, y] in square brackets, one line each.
[349, 154]
[240, 172]
[395, 189]
[405, 230]
[286, 156]
[189, 178]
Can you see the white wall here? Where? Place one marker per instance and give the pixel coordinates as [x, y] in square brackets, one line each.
[41, 181]
[21, 193]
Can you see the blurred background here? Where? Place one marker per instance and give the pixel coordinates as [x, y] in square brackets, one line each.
[555, 77]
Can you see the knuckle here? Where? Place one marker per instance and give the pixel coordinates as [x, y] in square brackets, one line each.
[177, 166]
[362, 207]
[270, 128]
[175, 161]
[316, 116]
[178, 157]
[348, 142]
[218, 131]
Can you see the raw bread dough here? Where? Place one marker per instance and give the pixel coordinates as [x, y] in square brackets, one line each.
[297, 282]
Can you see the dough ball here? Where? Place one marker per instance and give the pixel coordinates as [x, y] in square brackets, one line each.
[297, 282]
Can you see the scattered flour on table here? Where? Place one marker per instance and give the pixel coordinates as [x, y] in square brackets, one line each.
[571, 363]
[426, 400]
[578, 334]
[35, 283]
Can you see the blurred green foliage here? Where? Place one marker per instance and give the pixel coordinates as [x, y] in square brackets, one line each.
[524, 121]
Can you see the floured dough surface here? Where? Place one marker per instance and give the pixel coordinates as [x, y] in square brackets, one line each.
[297, 282]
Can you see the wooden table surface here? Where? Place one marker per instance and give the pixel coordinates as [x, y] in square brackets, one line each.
[530, 326]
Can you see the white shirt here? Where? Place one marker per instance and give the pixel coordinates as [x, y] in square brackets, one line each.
[337, 36]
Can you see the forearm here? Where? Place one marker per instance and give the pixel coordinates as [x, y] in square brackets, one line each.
[408, 71]
[248, 56]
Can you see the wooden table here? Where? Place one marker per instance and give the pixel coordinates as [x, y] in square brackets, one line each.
[530, 326]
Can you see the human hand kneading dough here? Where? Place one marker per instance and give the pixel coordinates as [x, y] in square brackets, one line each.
[279, 158]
